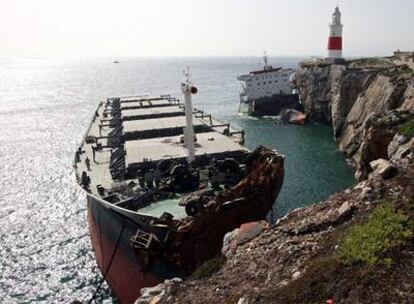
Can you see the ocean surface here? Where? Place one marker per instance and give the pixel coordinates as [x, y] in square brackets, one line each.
[45, 106]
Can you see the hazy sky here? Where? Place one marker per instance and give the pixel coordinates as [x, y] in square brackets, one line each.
[43, 28]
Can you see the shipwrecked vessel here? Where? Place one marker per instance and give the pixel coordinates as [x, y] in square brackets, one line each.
[267, 91]
[164, 183]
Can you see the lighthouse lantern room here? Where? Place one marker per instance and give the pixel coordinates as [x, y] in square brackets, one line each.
[335, 36]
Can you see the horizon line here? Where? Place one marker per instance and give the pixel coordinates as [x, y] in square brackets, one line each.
[310, 56]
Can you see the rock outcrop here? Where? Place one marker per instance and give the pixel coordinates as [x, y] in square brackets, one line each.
[160, 292]
[380, 136]
[347, 95]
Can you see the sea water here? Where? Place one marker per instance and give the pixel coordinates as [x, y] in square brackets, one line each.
[45, 107]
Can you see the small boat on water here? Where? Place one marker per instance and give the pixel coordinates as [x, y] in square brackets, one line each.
[116, 61]
[164, 183]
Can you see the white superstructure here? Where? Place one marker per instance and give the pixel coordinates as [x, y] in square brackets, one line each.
[266, 82]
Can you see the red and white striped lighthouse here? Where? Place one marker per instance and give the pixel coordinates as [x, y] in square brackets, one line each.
[335, 36]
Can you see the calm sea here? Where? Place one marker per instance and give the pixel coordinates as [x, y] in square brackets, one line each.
[45, 105]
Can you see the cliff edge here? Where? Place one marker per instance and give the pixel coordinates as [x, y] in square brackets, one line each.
[347, 95]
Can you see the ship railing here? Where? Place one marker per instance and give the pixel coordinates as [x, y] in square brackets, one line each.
[116, 129]
[111, 123]
[126, 99]
[241, 132]
[221, 125]
[202, 116]
[91, 121]
[173, 100]
[229, 127]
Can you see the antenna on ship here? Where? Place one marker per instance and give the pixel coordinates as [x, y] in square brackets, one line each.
[189, 137]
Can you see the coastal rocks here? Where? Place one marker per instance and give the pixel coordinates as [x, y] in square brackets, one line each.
[230, 243]
[241, 235]
[242, 301]
[160, 292]
[346, 85]
[331, 218]
[403, 151]
[314, 90]
[378, 97]
[345, 209]
[384, 168]
[397, 141]
[149, 293]
[408, 103]
[374, 146]
[381, 139]
[347, 95]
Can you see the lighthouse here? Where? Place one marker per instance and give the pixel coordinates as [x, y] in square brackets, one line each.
[335, 36]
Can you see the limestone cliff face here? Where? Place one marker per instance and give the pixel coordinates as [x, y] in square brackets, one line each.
[378, 133]
[346, 95]
[316, 98]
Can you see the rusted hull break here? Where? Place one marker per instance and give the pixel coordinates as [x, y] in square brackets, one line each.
[200, 238]
[191, 241]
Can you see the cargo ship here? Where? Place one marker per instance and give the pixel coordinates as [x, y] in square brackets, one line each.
[267, 91]
[164, 183]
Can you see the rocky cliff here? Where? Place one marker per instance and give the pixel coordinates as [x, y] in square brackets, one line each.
[347, 95]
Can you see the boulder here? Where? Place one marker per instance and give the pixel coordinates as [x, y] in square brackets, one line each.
[171, 286]
[241, 235]
[158, 293]
[384, 168]
[397, 141]
[403, 150]
[151, 294]
[250, 230]
[242, 301]
[345, 209]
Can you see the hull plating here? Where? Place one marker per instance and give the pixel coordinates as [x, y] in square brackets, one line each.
[127, 273]
[270, 106]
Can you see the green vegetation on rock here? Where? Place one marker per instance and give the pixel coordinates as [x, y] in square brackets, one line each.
[370, 242]
[407, 129]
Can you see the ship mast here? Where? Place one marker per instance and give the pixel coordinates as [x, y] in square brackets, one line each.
[267, 66]
[189, 137]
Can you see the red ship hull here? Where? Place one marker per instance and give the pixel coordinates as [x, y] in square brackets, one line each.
[125, 276]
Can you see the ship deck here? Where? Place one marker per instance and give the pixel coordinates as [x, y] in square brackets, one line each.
[150, 129]
[155, 149]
